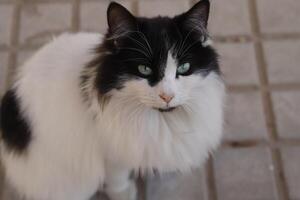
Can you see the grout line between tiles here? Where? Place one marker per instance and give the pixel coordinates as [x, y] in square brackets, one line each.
[235, 144]
[237, 88]
[268, 104]
[75, 23]
[280, 36]
[15, 29]
[249, 38]
[141, 185]
[210, 180]
[290, 142]
[263, 76]
[244, 143]
[232, 38]
[242, 88]
[285, 86]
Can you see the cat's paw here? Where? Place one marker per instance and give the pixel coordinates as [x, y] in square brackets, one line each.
[130, 193]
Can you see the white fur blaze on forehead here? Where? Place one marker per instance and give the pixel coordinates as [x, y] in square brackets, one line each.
[167, 85]
[171, 67]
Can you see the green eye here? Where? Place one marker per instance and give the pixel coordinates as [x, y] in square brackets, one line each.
[145, 70]
[183, 68]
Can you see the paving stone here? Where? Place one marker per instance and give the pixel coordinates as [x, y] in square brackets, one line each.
[162, 7]
[230, 17]
[6, 13]
[40, 22]
[244, 118]
[283, 60]
[172, 186]
[277, 16]
[291, 160]
[3, 71]
[287, 110]
[244, 174]
[93, 15]
[238, 63]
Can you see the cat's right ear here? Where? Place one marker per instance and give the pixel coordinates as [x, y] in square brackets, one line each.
[119, 19]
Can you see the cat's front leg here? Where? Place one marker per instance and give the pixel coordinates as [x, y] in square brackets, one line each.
[119, 186]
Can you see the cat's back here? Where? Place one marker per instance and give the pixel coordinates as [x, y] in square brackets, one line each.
[47, 89]
[48, 84]
[64, 55]
[45, 102]
[43, 117]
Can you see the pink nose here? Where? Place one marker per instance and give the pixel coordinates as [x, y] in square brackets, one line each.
[166, 98]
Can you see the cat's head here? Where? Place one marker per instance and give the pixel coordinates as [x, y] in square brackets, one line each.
[157, 62]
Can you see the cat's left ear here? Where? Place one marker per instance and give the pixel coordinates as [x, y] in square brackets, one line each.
[119, 19]
[198, 14]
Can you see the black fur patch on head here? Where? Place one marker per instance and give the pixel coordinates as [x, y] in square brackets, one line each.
[16, 133]
[133, 41]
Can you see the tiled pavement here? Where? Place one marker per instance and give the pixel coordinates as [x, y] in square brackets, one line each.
[259, 44]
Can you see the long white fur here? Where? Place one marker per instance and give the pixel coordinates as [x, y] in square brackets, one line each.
[71, 148]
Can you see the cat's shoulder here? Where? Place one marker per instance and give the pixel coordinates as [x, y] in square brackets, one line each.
[67, 40]
[68, 44]
[66, 52]
[71, 43]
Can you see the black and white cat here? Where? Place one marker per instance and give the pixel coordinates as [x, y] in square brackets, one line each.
[87, 109]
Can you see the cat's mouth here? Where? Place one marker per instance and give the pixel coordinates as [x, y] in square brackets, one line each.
[168, 109]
